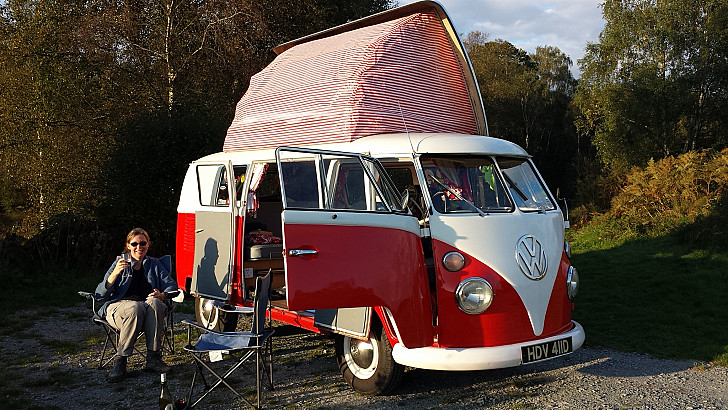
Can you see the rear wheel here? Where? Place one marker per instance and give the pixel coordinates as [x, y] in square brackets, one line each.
[213, 318]
[368, 366]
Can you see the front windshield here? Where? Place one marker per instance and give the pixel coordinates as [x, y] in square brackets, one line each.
[526, 188]
[464, 184]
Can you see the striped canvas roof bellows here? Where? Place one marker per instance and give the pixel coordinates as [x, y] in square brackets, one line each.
[398, 76]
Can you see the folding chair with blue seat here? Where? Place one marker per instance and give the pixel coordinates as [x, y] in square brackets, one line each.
[240, 345]
[112, 334]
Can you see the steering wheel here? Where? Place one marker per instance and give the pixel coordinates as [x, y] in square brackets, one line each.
[440, 201]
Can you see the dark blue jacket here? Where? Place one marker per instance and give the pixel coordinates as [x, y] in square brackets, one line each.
[154, 270]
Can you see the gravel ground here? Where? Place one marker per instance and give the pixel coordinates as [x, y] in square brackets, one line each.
[52, 364]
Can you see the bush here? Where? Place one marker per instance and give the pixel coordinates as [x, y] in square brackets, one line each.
[671, 193]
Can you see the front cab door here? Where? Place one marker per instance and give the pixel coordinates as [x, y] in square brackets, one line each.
[349, 241]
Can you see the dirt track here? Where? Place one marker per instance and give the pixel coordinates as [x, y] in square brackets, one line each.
[54, 361]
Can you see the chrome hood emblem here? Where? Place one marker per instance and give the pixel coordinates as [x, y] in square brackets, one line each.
[531, 257]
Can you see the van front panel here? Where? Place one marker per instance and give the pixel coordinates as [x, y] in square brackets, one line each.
[524, 307]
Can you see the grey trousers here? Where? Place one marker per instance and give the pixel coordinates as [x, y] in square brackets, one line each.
[131, 318]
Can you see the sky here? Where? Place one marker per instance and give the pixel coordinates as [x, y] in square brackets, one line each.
[566, 24]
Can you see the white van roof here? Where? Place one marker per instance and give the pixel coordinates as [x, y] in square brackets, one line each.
[403, 70]
[395, 146]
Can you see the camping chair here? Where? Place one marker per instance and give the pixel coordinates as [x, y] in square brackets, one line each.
[112, 334]
[240, 345]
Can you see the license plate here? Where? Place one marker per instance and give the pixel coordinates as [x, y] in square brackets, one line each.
[547, 350]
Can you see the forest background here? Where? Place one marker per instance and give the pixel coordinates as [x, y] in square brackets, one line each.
[103, 104]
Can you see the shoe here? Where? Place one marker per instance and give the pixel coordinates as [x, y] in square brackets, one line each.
[117, 372]
[155, 363]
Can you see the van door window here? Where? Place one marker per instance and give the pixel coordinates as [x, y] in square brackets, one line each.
[213, 183]
[526, 188]
[337, 181]
[300, 184]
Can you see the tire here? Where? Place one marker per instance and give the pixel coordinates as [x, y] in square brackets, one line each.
[368, 367]
[212, 318]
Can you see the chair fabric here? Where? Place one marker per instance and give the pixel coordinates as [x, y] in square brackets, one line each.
[172, 299]
[244, 345]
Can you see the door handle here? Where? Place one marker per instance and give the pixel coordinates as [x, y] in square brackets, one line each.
[301, 252]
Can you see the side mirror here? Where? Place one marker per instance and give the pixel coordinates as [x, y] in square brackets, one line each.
[565, 209]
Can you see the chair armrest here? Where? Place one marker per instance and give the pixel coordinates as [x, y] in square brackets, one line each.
[87, 295]
[94, 301]
[171, 295]
[246, 310]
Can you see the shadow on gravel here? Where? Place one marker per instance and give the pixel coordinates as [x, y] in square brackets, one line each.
[605, 363]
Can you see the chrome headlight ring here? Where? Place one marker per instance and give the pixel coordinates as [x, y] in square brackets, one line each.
[572, 282]
[474, 295]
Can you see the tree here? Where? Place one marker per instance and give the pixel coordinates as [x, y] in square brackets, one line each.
[527, 101]
[655, 83]
[104, 104]
[49, 135]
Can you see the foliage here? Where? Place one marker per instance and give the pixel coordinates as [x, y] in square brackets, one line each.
[655, 83]
[527, 101]
[106, 103]
[660, 245]
[672, 192]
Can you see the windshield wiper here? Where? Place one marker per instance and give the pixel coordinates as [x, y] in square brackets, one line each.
[515, 187]
[520, 193]
[457, 195]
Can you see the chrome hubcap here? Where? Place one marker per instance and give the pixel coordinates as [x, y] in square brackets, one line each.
[362, 357]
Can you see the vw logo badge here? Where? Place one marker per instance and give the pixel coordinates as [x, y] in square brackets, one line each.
[531, 257]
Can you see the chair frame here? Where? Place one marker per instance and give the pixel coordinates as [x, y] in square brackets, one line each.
[258, 343]
[112, 334]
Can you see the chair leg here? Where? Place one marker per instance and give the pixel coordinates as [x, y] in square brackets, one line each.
[220, 379]
[169, 337]
[109, 345]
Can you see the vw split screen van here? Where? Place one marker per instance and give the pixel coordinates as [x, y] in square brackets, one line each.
[359, 171]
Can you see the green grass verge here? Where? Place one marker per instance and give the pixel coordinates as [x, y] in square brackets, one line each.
[46, 289]
[660, 296]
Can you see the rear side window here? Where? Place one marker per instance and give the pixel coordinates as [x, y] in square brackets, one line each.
[337, 181]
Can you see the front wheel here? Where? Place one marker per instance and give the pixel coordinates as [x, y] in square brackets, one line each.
[368, 366]
[211, 317]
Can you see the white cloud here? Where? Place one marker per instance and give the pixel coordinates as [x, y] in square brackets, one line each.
[566, 24]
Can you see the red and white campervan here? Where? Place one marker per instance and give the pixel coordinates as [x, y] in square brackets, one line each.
[359, 171]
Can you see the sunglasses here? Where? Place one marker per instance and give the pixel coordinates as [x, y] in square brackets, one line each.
[142, 244]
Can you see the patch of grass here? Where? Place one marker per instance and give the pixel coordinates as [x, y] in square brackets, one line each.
[61, 347]
[56, 377]
[60, 289]
[188, 306]
[662, 296]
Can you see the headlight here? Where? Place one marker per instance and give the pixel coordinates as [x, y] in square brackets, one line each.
[572, 282]
[453, 261]
[474, 295]
[567, 249]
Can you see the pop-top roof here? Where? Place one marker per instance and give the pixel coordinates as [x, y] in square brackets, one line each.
[405, 72]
